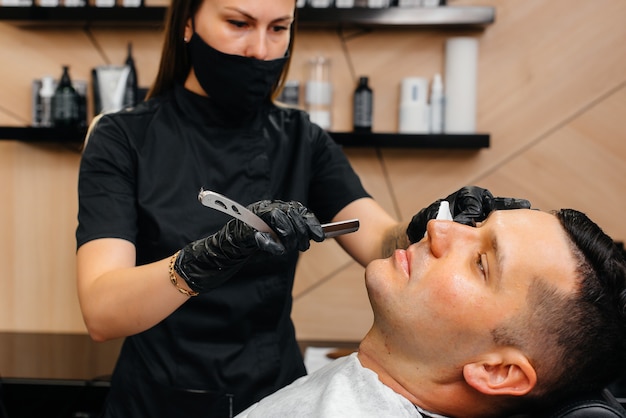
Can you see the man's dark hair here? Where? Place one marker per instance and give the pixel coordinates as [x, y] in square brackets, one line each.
[576, 342]
[599, 309]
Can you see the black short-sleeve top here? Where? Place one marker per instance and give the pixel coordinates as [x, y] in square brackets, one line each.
[140, 175]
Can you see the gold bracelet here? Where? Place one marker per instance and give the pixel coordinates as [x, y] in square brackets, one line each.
[174, 279]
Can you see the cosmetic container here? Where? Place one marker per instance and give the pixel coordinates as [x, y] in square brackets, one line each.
[377, 4]
[409, 3]
[363, 106]
[461, 73]
[437, 105]
[16, 3]
[45, 95]
[131, 3]
[290, 95]
[319, 92]
[65, 102]
[344, 4]
[104, 3]
[74, 3]
[47, 3]
[131, 90]
[414, 116]
[320, 3]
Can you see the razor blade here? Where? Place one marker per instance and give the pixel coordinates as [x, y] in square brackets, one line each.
[228, 206]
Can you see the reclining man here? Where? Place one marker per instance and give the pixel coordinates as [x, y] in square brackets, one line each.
[521, 310]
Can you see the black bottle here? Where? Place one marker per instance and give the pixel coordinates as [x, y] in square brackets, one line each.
[65, 102]
[131, 91]
[363, 106]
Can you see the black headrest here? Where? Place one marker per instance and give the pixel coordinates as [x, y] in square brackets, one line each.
[589, 405]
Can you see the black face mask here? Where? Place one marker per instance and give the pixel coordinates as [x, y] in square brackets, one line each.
[238, 85]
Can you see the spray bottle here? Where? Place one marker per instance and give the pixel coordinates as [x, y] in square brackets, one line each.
[437, 103]
[131, 91]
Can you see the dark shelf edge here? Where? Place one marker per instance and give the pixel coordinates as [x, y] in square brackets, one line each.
[346, 139]
[398, 16]
[82, 15]
[395, 140]
[307, 17]
[35, 134]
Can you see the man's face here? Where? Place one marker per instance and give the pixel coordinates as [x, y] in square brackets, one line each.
[439, 300]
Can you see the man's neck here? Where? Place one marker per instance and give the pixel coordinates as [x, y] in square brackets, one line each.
[415, 383]
[369, 358]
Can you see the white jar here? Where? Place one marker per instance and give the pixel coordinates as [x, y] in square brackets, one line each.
[414, 112]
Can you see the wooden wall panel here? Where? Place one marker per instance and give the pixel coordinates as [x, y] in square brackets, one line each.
[551, 92]
[530, 83]
[581, 166]
[337, 309]
[37, 246]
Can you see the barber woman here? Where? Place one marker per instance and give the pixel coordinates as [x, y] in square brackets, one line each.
[203, 300]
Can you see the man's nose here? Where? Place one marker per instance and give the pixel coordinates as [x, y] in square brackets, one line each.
[443, 233]
[257, 45]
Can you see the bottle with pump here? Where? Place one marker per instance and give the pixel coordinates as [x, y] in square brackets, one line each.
[65, 102]
[131, 91]
[319, 92]
[363, 106]
[437, 103]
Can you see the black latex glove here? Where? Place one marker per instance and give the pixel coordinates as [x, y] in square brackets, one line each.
[208, 262]
[468, 206]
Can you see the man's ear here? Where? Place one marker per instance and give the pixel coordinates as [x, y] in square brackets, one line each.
[506, 372]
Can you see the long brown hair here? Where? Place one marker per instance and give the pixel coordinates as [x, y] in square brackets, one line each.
[175, 63]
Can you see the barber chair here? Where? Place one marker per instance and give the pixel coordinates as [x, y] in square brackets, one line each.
[590, 405]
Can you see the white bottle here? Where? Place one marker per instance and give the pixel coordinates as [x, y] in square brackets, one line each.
[344, 3]
[48, 86]
[409, 3]
[414, 116]
[319, 92]
[377, 4]
[461, 75]
[437, 103]
[74, 3]
[319, 3]
[48, 3]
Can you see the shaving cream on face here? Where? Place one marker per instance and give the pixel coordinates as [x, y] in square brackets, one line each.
[444, 211]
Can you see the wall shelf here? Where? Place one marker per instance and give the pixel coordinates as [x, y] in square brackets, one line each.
[398, 16]
[34, 134]
[445, 16]
[53, 16]
[346, 139]
[307, 17]
[395, 140]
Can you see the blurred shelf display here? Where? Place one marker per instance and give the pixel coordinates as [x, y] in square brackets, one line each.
[307, 16]
[346, 139]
